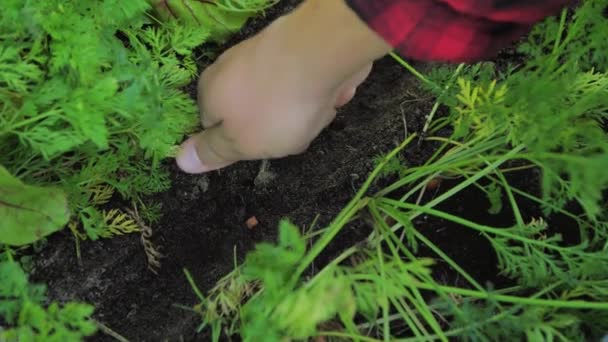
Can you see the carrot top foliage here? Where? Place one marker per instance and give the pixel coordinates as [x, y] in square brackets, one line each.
[548, 113]
[91, 100]
[555, 104]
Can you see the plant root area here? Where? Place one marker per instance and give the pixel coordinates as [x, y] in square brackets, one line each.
[209, 220]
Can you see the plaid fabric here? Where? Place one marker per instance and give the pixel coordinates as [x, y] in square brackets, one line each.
[453, 30]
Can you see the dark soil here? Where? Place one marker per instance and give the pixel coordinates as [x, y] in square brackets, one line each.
[204, 220]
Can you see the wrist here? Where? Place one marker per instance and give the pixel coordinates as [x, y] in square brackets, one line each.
[325, 39]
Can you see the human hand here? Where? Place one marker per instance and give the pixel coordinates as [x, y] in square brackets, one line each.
[271, 95]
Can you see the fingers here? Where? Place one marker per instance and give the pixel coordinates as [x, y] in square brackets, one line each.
[207, 151]
[231, 137]
[344, 96]
[349, 87]
[362, 74]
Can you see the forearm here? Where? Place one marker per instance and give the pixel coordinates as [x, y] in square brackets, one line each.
[452, 30]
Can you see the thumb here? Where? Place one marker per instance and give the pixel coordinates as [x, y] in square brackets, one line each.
[207, 151]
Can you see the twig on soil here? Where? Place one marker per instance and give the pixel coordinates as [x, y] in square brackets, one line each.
[264, 177]
[404, 121]
[431, 115]
[106, 330]
[153, 256]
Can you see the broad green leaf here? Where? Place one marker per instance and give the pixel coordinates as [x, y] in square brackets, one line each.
[29, 213]
[221, 18]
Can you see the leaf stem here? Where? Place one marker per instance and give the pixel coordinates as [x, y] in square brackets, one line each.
[347, 213]
[413, 70]
[555, 303]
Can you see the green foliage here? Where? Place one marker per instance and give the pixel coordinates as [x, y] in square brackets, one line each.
[288, 311]
[283, 309]
[29, 213]
[481, 322]
[91, 102]
[151, 212]
[562, 288]
[21, 307]
[554, 105]
[90, 98]
[548, 114]
[494, 194]
[529, 254]
[394, 166]
[494, 322]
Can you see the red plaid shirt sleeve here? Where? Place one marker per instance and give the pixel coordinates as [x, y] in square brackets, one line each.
[453, 30]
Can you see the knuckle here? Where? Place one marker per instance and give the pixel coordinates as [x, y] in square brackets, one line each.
[293, 149]
[301, 149]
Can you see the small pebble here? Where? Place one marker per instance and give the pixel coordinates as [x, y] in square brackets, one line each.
[252, 222]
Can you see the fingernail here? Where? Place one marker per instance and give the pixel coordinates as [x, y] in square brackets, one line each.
[188, 160]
